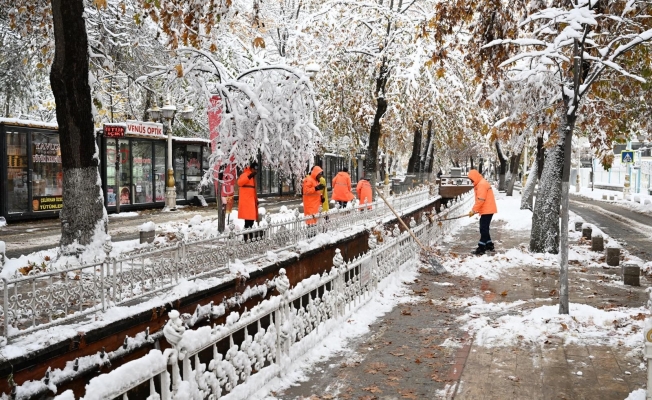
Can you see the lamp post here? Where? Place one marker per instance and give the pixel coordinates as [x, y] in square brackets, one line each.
[167, 112]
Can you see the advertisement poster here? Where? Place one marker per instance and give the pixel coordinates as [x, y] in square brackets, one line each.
[110, 197]
[228, 177]
[125, 195]
[47, 203]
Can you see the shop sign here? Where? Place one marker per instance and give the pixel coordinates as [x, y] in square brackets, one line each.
[47, 203]
[144, 128]
[114, 130]
[46, 153]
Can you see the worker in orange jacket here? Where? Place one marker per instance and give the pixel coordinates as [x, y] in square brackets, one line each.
[248, 198]
[312, 194]
[485, 205]
[365, 194]
[342, 187]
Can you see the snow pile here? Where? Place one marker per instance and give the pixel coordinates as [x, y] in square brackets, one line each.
[638, 394]
[509, 211]
[124, 215]
[585, 325]
[195, 221]
[262, 211]
[148, 226]
[105, 386]
[490, 267]
[237, 267]
[3, 222]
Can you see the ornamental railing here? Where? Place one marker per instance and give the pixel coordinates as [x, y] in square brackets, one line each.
[43, 297]
[259, 344]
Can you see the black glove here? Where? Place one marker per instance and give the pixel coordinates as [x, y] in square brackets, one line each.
[319, 187]
[251, 175]
[322, 199]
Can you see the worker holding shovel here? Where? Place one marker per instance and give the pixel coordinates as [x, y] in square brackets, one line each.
[485, 205]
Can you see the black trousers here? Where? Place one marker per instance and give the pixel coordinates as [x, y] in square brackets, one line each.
[485, 237]
[249, 223]
[342, 204]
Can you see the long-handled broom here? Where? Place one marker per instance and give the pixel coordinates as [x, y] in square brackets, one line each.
[435, 265]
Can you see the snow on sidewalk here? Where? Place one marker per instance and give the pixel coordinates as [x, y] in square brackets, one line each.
[508, 304]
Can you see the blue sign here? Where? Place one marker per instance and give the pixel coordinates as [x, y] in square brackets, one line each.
[627, 156]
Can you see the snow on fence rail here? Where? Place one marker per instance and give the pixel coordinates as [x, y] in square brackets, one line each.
[42, 299]
[257, 345]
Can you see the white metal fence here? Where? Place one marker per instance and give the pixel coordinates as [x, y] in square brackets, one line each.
[44, 297]
[257, 345]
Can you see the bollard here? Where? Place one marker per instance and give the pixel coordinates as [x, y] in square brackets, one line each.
[611, 198]
[578, 225]
[613, 256]
[604, 197]
[147, 232]
[631, 274]
[597, 243]
[586, 232]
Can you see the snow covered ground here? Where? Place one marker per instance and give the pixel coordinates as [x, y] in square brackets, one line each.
[492, 323]
[638, 202]
[502, 323]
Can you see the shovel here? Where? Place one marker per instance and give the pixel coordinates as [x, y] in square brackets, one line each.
[435, 266]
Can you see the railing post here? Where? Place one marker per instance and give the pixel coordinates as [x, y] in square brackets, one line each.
[102, 288]
[6, 308]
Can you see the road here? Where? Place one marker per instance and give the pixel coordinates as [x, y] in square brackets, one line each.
[631, 229]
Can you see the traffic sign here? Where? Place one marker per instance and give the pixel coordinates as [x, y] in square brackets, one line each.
[627, 156]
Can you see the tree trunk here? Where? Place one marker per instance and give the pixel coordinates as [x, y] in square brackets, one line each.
[514, 162]
[370, 165]
[413, 163]
[7, 102]
[427, 168]
[541, 156]
[503, 167]
[530, 184]
[544, 237]
[83, 216]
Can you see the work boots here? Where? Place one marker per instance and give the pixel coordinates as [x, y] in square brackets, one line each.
[480, 250]
[490, 246]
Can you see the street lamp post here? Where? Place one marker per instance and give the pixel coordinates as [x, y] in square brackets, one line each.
[167, 112]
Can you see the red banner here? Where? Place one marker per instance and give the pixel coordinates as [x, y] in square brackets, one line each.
[229, 175]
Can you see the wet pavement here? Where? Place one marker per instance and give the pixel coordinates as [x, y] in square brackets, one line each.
[631, 229]
[420, 351]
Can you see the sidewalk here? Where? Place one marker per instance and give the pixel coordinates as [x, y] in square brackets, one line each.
[31, 236]
[489, 329]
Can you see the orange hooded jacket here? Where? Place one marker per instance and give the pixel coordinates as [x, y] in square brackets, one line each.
[311, 196]
[485, 203]
[365, 194]
[248, 198]
[342, 187]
